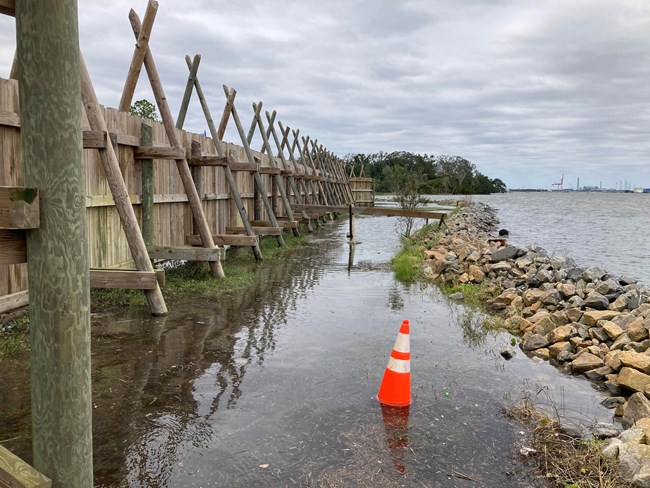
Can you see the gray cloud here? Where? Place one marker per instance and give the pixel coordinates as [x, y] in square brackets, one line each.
[527, 91]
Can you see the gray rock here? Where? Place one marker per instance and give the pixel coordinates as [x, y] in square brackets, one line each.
[574, 273]
[626, 280]
[564, 356]
[604, 430]
[457, 296]
[613, 388]
[592, 274]
[610, 451]
[598, 333]
[608, 286]
[544, 276]
[631, 458]
[551, 297]
[559, 262]
[523, 262]
[642, 477]
[596, 300]
[575, 302]
[613, 402]
[636, 408]
[502, 266]
[633, 435]
[598, 374]
[535, 341]
[620, 342]
[586, 362]
[508, 252]
[507, 353]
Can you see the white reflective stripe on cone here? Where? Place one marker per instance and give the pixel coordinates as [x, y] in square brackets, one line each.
[402, 343]
[399, 365]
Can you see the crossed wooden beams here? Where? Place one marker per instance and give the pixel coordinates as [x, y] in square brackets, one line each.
[142, 54]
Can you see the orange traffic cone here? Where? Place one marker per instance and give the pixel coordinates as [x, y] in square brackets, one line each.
[395, 388]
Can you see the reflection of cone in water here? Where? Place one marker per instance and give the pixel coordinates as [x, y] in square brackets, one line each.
[395, 388]
[396, 420]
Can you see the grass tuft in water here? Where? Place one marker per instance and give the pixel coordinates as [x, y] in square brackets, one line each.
[406, 263]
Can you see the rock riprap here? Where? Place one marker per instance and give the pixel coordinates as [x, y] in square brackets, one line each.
[585, 320]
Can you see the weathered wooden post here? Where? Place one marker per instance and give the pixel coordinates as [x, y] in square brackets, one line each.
[352, 234]
[146, 139]
[59, 311]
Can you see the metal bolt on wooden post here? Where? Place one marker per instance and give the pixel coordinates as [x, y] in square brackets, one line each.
[59, 296]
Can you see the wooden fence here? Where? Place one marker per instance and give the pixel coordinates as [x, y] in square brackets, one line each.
[308, 175]
[363, 191]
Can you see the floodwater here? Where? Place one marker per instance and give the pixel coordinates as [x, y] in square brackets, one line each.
[274, 386]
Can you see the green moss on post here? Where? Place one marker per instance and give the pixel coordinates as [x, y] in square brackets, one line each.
[51, 139]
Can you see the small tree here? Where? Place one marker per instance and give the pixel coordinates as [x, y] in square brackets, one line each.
[145, 109]
[407, 194]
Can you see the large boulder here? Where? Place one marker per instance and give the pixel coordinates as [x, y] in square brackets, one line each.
[636, 408]
[544, 326]
[586, 362]
[591, 317]
[596, 300]
[562, 333]
[611, 329]
[592, 274]
[508, 252]
[632, 359]
[633, 379]
[637, 331]
[535, 341]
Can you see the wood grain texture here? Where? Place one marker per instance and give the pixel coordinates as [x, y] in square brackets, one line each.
[138, 56]
[16, 473]
[119, 191]
[186, 253]
[59, 308]
[224, 240]
[129, 279]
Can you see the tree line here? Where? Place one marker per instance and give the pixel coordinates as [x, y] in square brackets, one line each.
[423, 173]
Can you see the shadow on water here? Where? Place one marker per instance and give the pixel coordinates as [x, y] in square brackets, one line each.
[275, 385]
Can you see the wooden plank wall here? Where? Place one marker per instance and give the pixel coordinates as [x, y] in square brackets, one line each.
[363, 191]
[108, 247]
[13, 278]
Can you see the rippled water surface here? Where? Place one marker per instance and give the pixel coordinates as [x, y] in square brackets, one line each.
[274, 386]
[610, 230]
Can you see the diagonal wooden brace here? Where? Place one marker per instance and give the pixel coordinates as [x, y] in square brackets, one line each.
[183, 168]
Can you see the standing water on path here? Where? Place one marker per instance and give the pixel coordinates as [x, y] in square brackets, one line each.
[275, 385]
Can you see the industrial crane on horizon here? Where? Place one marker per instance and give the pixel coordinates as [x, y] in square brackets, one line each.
[559, 184]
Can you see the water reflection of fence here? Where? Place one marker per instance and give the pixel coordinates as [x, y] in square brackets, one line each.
[154, 409]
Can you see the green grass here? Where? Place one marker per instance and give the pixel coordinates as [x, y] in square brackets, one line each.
[195, 279]
[16, 341]
[474, 294]
[406, 263]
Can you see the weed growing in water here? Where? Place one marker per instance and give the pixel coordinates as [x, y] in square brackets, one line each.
[562, 459]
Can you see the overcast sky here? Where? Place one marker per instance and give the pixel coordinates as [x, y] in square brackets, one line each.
[526, 90]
